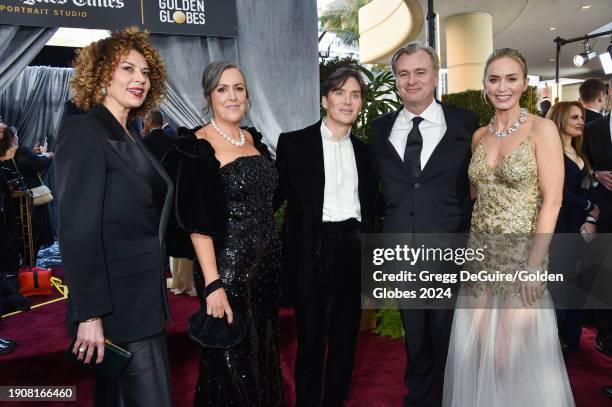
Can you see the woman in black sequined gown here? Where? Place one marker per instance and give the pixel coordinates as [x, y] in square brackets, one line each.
[225, 181]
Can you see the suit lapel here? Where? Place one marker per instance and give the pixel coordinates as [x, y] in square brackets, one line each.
[454, 130]
[386, 129]
[361, 159]
[315, 146]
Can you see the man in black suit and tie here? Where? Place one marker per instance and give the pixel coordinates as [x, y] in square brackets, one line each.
[422, 153]
[598, 149]
[592, 96]
[328, 179]
[158, 142]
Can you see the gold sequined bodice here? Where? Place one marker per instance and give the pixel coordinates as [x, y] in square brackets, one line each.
[507, 196]
[505, 213]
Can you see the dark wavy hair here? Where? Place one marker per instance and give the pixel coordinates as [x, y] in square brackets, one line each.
[94, 66]
[6, 139]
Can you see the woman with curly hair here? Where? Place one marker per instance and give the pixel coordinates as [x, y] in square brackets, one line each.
[114, 198]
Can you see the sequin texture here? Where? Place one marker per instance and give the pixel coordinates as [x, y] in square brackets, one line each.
[248, 261]
[504, 216]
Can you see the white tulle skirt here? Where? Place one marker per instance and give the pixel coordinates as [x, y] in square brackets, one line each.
[504, 355]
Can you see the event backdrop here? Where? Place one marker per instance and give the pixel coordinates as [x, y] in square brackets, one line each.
[277, 47]
[192, 17]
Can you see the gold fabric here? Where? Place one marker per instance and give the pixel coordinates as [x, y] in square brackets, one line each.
[504, 216]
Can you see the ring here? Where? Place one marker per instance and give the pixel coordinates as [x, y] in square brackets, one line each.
[81, 349]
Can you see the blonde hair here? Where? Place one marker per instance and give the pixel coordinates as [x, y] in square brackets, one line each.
[95, 64]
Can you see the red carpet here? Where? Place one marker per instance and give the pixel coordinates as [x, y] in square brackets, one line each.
[377, 380]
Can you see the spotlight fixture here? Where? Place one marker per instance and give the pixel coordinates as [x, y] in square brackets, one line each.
[552, 28]
[585, 7]
[584, 57]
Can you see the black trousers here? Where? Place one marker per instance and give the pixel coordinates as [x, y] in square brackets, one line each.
[603, 318]
[427, 335]
[329, 319]
[144, 382]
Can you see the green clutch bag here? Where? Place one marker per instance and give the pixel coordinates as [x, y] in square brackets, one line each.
[114, 362]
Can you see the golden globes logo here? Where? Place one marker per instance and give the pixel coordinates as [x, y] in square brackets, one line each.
[181, 11]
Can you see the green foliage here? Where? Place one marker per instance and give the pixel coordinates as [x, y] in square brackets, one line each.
[389, 323]
[344, 22]
[473, 100]
[380, 96]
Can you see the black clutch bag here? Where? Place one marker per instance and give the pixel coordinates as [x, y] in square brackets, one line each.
[114, 362]
[211, 332]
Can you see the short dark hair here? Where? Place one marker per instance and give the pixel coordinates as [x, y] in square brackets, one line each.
[156, 117]
[590, 89]
[337, 79]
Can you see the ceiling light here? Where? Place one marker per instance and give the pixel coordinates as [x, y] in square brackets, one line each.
[551, 59]
[584, 57]
[585, 7]
[552, 28]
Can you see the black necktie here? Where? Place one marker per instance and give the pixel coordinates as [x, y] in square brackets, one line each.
[414, 145]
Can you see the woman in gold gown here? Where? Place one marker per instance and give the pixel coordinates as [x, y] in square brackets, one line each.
[504, 348]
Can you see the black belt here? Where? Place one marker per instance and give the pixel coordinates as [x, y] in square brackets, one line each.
[348, 225]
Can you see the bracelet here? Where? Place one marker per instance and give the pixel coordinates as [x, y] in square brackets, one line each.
[591, 222]
[591, 219]
[214, 286]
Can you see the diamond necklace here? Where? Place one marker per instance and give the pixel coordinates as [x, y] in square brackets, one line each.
[223, 134]
[498, 133]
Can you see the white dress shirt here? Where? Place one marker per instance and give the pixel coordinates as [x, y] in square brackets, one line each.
[341, 192]
[432, 129]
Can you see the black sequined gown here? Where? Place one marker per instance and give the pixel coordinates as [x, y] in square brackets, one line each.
[247, 260]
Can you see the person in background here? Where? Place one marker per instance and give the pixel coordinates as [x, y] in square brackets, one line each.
[578, 214]
[592, 97]
[114, 200]
[156, 139]
[31, 165]
[9, 255]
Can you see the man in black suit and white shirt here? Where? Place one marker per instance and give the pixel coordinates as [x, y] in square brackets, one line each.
[422, 152]
[592, 96]
[327, 177]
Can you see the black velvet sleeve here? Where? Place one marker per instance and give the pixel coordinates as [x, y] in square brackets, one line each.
[199, 200]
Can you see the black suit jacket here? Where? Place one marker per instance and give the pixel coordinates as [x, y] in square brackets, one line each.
[158, 142]
[439, 200]
[113, 205]
[299, 161]
[597, 147]
[591, 115]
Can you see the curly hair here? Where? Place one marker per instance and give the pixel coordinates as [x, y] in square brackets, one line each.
[95, 64]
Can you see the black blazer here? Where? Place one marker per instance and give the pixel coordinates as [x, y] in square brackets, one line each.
[439, 200]
[597, 147]
[113, 205]
[590, 115]
[158, 142]
[299, 161]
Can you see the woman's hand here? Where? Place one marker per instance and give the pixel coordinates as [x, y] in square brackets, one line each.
[588, 228]
[217, 305]
[529, 292]
[90, 337]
